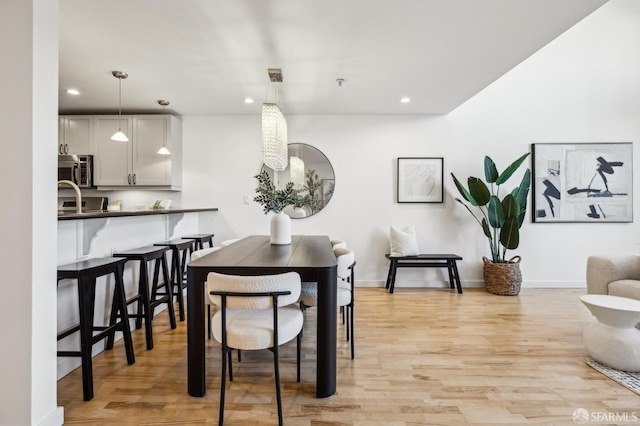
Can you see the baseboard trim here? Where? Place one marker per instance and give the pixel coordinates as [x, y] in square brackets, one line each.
[467, 284]
[56, 418]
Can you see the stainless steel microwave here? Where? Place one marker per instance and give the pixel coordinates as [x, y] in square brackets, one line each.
[76, 168]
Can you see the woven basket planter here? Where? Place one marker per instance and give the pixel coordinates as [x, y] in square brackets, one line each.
[504, 278]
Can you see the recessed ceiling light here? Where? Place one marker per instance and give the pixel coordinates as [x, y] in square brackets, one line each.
[73, 91]
[405, 100]
[248, 100]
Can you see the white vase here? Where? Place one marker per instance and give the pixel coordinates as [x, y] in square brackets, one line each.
[280, 229]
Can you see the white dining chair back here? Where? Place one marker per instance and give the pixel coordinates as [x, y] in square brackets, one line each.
[345, 258]
[256, 312]
[207, 301]
[338, 244]
[229, 242]
[203, 252]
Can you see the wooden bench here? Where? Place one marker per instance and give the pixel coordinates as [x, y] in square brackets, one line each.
[424, 261]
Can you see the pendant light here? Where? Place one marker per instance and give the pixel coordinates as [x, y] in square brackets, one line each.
[119, 135]
[164, 150]
[274, 128]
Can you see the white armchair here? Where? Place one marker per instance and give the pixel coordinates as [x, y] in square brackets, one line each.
[614, 275]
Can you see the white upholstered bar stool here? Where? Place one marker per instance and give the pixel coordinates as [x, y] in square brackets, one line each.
[256, 312]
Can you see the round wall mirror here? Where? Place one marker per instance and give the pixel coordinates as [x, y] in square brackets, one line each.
[312, 174]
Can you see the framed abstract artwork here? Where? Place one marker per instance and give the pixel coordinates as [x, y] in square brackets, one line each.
[420, 180]
[582, 182]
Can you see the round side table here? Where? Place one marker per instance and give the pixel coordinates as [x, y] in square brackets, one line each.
[614, 340]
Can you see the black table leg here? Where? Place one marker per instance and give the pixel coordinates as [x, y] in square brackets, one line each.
[326, 340]
[196, 365]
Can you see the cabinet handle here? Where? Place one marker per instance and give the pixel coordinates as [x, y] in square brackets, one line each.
[66, 148]
[60, 149]
[134, 178]
[129, 178]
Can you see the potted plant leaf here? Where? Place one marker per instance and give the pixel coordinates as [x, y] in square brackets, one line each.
[500, 220]
[275, 200]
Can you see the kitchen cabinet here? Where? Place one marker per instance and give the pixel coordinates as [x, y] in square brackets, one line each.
[75, 134]
[137, 163]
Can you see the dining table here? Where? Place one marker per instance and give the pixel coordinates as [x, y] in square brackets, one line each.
[311, 256]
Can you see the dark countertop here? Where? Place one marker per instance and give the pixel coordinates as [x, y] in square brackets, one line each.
[104, 213]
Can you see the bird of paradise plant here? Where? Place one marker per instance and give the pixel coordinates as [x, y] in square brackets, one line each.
[500, 219]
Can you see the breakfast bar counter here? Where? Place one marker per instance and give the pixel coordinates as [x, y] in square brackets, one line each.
[99, 234]
[117, 213]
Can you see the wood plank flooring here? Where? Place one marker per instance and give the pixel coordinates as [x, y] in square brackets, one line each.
[423, 357]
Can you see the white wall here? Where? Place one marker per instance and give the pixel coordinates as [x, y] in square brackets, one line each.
[582, 87]
[28, 83]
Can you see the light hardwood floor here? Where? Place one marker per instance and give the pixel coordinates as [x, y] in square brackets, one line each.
[423, 357]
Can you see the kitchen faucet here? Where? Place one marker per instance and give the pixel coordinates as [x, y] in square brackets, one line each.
[78, 194]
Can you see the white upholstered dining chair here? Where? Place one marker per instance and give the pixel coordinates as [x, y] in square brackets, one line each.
[229, 242]
[338, 244]
[309, 291]
[197, 255]
[256, 312]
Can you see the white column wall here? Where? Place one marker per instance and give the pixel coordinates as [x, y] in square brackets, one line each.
[582, 87]
[29, 85]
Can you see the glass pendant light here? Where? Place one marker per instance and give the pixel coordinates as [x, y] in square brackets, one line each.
[274, 128]
[119, 135]
[164, 150]
[296, 169]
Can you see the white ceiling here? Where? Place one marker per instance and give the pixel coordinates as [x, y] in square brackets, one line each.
[206, 56]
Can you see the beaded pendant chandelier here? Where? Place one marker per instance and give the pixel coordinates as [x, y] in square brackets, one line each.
[296, 171]
[274, 129]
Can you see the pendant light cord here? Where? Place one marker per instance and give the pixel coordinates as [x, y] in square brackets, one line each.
[119, 104]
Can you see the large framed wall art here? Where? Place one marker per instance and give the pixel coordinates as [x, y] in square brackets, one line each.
[582, 182]
[420, 180]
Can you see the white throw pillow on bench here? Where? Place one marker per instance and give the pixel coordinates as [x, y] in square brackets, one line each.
[403, 241]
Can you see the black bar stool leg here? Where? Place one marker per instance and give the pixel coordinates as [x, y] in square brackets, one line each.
[113, 317]
[177, 268]
[140, 308]
[87, 295]
[154, 286]
[143, 305]
[168, 287]
[124, 323]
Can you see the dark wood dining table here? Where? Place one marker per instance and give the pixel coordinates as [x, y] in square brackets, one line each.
[309, 255]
